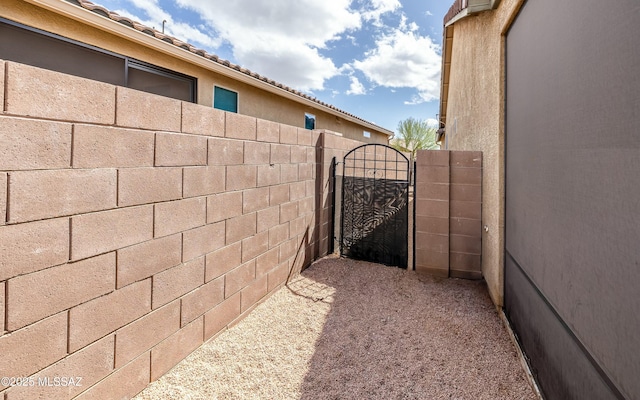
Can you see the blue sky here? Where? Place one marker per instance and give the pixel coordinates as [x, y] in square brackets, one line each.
[377, 59]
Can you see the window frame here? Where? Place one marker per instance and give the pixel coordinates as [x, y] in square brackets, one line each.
[128, 62]
[309, 116]
[167, 73]
[213, 100]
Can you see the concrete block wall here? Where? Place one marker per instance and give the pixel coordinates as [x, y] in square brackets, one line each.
[465, 215]
[432, 212]
[134, 227]
[448, 213]
[333, 146]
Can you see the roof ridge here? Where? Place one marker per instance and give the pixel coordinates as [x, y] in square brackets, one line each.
[100, 10]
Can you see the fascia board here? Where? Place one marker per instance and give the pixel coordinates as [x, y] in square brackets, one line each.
[105, 24]
[474, 7]
[462, 14]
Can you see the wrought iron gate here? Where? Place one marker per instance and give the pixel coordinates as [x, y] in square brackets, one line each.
[374, 210]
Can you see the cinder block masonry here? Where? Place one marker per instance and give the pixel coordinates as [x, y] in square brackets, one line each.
[129, 236]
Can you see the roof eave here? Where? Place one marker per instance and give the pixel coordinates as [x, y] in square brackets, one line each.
[473, 7]
[98, 21]
[462, 14]
[470, 7]
[444, 80]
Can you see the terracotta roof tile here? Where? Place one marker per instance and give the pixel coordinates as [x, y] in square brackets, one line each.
[88, 5]
[456, 7]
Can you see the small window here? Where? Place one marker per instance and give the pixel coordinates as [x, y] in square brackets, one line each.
[224, 99]
[366, 134]
[309, 121]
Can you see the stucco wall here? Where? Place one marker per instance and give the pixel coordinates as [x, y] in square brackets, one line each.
[129, 236]
[253, 101]
[475, 121]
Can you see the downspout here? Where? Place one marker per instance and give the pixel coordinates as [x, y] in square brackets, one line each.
[444, 82]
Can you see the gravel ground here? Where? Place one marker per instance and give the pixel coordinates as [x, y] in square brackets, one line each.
[348, 329]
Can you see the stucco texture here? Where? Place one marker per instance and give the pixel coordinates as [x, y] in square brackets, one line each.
[253, 101]
[475, 121]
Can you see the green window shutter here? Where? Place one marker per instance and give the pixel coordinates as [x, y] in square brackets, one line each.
[224, 99]
[309, 121]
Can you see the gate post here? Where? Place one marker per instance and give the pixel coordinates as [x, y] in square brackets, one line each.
[465, 210]
[332, 221]
[432, 212]
[448, 216]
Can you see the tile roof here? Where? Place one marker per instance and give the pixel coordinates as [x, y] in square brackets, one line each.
[455, 9]
[87, 5]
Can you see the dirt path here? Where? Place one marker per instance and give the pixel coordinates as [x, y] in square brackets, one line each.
[354, 330]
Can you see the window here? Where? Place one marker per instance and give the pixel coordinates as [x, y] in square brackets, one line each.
[224, 99]
[42, 49]
[156, 80]
[309, 121]
[366, 134]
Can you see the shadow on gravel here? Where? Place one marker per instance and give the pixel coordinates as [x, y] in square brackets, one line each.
[394, 334]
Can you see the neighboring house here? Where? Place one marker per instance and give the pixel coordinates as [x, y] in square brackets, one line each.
[84, 39]
[548, 91]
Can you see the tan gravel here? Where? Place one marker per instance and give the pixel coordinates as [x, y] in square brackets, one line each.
[347, 329]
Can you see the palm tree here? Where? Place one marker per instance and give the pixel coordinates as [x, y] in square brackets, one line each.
[413, 135]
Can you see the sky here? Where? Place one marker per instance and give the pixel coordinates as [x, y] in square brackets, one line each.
[377, 59]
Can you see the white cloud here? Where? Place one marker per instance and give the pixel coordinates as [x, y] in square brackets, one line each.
[280, 38]
[152, 9]
[292, 64]
[379, 7]
[429, 13]
[404, 59]
[185, 32]
[284, 40]
[356, 87]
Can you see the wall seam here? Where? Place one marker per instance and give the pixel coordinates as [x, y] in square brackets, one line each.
[69, 332]
[182, 117]
[5, 289]
[180, 308]
[155, 149]
[115, 109]
[6, 211]
[70, 237]
[182, 186]
[114, 354]
[71, 147]
[6, 87]
[117, 188]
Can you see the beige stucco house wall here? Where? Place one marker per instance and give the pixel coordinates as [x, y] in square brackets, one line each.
[256, 98]
[472, 110]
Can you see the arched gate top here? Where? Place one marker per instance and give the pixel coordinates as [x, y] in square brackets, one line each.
[377, 161]
[374, 207]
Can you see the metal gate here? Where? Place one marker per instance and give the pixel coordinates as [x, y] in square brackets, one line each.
[374, 209]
